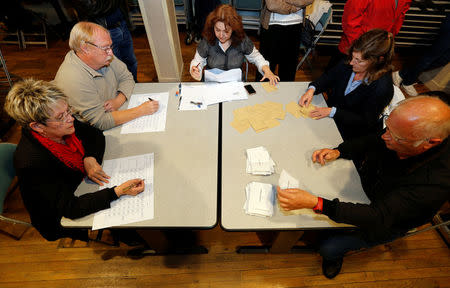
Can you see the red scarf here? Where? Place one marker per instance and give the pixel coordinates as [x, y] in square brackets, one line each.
[71, 154]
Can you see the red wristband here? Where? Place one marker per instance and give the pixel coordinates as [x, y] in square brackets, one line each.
[319, 206]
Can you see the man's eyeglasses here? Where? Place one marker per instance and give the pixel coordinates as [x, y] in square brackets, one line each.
[105, 49]
[400, 140]
[64, 117]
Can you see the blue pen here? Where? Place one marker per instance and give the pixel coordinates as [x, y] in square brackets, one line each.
[179, 88]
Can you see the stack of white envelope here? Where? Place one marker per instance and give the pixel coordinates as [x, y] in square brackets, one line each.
[260, 199]
[259, 161]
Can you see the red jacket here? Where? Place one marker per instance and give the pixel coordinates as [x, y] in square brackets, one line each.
[361, 16]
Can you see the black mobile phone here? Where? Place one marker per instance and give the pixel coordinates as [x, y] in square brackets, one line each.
[250, 89]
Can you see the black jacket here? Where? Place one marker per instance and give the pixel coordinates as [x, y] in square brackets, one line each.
[48, 185]
[404, 193]
[358, 112]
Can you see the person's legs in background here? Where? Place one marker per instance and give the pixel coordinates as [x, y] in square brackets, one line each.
[289, 40]
[437, 55]
[123, 47]
[267, 47]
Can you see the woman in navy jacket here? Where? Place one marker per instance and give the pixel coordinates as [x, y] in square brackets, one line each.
[358, 90]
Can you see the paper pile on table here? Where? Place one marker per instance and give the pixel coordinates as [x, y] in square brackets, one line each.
[259, 161]
[260, 199]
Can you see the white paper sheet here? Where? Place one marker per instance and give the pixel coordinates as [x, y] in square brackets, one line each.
[223, 92]
[192, 98]
[128, 209]
[150, 123]
[221, 76]
[286, 181]
[198, 97]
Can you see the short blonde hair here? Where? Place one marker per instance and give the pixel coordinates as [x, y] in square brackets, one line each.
[30, 101]
[83, 32]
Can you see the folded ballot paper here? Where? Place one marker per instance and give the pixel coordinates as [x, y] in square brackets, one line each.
[286, 181]
[260, 199]
[259, 161]
[221, 76]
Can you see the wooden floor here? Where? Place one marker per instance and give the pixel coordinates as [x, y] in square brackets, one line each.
[419, 261]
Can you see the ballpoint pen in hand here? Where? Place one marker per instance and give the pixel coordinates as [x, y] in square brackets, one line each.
[150, 99]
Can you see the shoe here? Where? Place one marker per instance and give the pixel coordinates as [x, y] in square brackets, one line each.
[396, 78]
[331, 268]
[410, 90]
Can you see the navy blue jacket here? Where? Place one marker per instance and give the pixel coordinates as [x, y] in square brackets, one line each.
[358, 112]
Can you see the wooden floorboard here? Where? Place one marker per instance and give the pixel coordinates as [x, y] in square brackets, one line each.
[419, 261]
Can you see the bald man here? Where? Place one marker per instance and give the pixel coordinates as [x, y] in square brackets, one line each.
[406, 176]
[97, 83]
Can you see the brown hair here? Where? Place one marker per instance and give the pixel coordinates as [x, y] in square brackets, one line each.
[227, 14]
[377, 46]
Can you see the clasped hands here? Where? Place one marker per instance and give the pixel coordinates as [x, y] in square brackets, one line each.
[292, 199]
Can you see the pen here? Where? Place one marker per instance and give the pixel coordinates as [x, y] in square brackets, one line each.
[150, 99]
[129, 187]
[196, 103]
[197, 64]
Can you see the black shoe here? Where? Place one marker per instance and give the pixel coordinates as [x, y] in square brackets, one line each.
[331, 268]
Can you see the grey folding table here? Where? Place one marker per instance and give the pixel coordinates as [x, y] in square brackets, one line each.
[290, 145]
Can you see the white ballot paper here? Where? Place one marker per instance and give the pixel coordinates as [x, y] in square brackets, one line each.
[223, 92]
[286, 181]
[221, 76]
[128, 209]
[192, 98]
[259, 161]
[149, 123]
[198, 97]
[260, 199]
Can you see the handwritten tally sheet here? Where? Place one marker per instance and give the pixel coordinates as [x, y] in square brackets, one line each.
[128, 209]
[149, 123]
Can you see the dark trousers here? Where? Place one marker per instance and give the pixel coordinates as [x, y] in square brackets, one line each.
[280, 46]
[335, 246]
[123, 47]
[435, 56]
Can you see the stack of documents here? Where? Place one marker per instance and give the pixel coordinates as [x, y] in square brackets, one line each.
[260, 199]
[259, 116]
[259, 161]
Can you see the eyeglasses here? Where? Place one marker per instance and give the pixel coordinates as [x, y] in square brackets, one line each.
[400, 140]
[105, 49]
[358, 61]
[64, 117]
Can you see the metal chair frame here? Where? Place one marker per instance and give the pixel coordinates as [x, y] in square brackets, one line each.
[310, 50]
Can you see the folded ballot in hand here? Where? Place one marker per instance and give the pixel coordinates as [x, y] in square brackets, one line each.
[260, 199]
[259, 161]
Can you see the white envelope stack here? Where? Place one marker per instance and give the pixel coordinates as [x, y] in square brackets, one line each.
[260, 199]
[259, 161]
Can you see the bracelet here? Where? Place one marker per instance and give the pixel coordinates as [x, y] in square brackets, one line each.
[319, 206]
